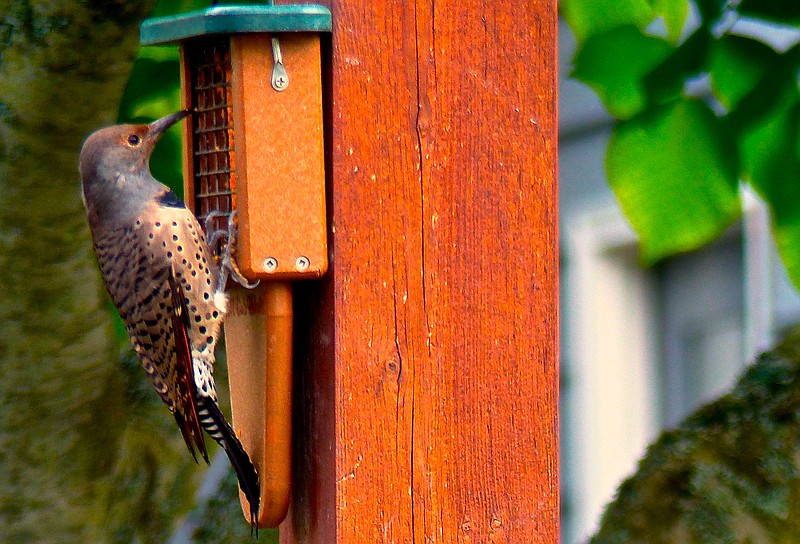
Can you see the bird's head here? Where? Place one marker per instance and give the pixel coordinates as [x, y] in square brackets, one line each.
[115, 163]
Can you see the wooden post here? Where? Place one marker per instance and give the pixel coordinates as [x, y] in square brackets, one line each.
[427, 359]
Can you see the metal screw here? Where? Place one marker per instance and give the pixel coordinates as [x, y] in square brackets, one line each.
[270, 264]
[302, 263]
[280, 83]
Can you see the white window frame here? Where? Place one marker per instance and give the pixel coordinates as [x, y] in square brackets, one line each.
[612, 363]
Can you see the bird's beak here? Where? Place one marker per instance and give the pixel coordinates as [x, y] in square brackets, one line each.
[158, 127]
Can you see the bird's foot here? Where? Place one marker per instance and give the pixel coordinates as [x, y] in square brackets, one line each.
[214, 235]
[227, 265]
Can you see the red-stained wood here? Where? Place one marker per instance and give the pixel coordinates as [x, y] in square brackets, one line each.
[426, 400]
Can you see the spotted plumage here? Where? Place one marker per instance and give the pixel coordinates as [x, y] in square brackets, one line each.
[163, 279]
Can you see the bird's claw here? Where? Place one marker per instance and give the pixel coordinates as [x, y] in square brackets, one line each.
[228, 266]
[232, 269]
[213, 241]
[208, 222]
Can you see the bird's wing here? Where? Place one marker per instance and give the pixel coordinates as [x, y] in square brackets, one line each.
[186, 390]
[168, 311]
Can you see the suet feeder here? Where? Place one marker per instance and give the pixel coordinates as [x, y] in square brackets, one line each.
[252, 76]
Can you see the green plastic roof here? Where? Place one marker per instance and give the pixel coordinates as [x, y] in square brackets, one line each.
[231, 19]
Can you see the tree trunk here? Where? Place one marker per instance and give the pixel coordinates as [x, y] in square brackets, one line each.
[63, 66]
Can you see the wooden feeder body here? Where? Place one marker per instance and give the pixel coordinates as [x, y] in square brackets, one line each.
[258, 151]
[263, 146]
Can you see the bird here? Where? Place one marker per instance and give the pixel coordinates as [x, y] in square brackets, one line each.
[164, 281]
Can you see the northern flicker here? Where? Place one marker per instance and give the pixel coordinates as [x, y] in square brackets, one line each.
[163, 279]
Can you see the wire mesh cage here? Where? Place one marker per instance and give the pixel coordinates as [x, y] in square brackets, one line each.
[212, 134]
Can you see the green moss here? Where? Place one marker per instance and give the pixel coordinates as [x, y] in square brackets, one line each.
[729, 472]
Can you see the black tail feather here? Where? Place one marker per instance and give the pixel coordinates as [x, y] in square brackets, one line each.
[245, 470]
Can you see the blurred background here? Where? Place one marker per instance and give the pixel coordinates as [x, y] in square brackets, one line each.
[644, 347]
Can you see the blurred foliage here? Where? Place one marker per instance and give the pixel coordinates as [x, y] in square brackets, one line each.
[705, 99]
[729, 472]
[702, 101]
[222, 523]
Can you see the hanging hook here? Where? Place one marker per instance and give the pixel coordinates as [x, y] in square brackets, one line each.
[280, 79]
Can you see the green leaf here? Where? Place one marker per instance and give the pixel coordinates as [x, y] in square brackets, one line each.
[674, 13]
[759, 103]
[589, 17]
[674, 172]
[666, 81]
[770, 158]
[710, 10]
[142, 97]
[782, 11]
[772, 166]
[614, 63]
[737, 65]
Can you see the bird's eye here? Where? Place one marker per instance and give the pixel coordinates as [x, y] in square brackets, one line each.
[134, 140]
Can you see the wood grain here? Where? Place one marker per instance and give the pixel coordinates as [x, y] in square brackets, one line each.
[429, 354]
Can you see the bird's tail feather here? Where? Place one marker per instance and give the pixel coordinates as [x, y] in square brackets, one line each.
[219, 429]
